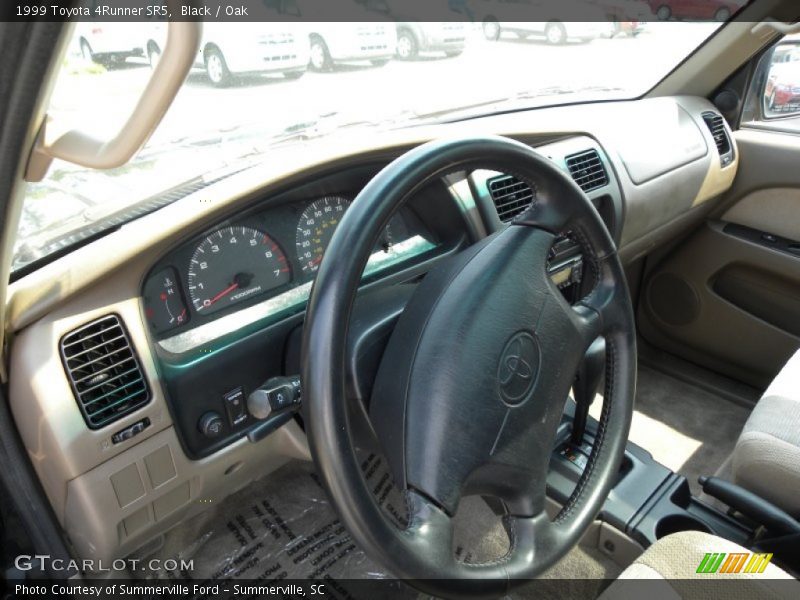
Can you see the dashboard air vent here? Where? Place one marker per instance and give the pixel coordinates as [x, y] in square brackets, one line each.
[511, 196]
[587, 170]
[104, 371]
[716, 125]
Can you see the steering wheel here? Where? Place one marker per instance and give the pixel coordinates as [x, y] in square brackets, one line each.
[473, 382]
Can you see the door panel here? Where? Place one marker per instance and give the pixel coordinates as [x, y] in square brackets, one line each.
[776, 210]
[728, 297]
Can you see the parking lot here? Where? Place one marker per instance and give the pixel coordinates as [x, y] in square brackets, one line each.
[98, 99]
[485, 71]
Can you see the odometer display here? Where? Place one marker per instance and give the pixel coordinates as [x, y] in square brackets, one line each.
[232, 265]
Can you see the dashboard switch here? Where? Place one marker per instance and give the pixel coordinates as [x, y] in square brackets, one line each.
[276, 395]
[235, 406]
[211, 424]
[280, 397]
[129, 432]
[769, 238]
[274, 404]
[258, 404]
[297, 396]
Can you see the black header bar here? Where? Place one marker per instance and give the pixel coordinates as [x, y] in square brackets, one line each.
[299, 11]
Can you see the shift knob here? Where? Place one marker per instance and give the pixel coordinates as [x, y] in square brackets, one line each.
[585, 387]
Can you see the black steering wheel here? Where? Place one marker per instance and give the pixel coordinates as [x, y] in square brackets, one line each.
[473, 382]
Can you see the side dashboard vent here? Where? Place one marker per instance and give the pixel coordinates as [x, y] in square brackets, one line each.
[587, 170]
[511, 196]
[104, 371]
[716, 125]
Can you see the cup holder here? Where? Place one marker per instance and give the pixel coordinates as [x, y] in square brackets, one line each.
[677, 523]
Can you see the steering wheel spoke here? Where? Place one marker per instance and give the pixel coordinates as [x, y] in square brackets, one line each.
[606, 298]
[590, 324]
[430, 529]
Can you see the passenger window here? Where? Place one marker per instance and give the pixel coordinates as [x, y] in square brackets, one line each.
[774, 99]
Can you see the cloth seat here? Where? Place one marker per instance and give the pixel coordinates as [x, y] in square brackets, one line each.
[670, 569]
[766, 459]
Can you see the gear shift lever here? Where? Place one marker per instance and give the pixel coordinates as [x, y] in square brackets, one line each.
[585, 387]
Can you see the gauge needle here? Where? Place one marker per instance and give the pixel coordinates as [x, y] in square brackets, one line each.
[240, 280]
[222, 294]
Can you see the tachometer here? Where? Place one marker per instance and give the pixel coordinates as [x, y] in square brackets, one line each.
[315, 229]
[232, 265]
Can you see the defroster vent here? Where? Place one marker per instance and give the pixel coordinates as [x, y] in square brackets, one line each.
[587, 170]
[511, 196]
[104, 371]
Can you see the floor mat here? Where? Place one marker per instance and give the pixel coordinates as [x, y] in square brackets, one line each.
[685, 428]
[283, 527]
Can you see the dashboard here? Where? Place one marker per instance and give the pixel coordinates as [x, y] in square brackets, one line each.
[204, 299]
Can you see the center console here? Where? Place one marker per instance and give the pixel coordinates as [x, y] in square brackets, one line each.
[648, 500]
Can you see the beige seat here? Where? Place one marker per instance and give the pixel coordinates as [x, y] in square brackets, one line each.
[670, 568]
[766, 459]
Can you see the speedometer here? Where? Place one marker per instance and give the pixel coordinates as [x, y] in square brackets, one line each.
[232, 265]
[315, 229]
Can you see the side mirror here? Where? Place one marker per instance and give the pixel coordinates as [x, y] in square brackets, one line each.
[180, 50]
[781, 93]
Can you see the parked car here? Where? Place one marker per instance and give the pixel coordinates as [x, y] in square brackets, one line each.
[498, 17]
[787, 52]
[719, 10]
[336, 43]
[415, 37]
[229, 49]
[107, 43]
[367, 36]
[782, 91]
[628, 16]
[628, 28]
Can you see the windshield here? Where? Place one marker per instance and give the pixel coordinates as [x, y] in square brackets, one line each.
[258, 85]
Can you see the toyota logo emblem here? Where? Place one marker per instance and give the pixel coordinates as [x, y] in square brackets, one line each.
[518, 368]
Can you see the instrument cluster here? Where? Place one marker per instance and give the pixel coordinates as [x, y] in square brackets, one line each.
[262, 256]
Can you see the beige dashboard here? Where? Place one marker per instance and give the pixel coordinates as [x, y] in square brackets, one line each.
[112, 498]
